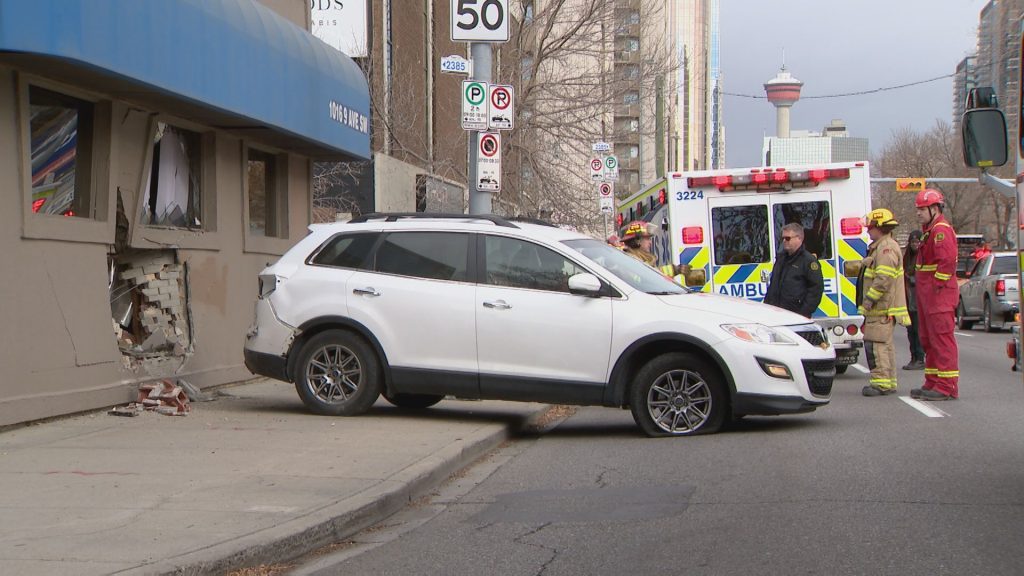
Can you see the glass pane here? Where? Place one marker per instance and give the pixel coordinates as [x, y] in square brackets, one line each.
[519, 264]
[436, 255]
[260, 180]
[816, 220]
[741, 234]
[60, 129]
[173, 194]
[1004, 265]
[346, 251]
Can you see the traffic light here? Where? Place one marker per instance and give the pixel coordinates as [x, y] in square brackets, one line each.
[910, 184]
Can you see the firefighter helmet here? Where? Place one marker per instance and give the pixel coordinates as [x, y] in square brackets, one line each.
[636, 229]
[929, 197]
[880, 217]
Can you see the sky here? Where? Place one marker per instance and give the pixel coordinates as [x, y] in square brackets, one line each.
[836, 47]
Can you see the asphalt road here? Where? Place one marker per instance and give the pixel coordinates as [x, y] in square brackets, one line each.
[863, 486]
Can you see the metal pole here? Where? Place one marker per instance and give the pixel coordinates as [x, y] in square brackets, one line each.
[479, 202]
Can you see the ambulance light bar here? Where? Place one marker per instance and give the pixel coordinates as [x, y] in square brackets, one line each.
[768, 179]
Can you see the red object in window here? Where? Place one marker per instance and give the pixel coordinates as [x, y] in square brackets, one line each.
[851, 226]
[662, 196]
[1000, 287]
[693, 235]
[37, 204]
[618, 220]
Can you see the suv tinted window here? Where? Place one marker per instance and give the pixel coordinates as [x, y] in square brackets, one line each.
[435, 255]
[345, 251]
[519, 264]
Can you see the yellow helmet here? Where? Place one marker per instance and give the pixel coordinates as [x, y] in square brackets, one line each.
[880, 217]
[636, 229]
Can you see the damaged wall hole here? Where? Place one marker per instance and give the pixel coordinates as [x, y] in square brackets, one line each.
[149, 304]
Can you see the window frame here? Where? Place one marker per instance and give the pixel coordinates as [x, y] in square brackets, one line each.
[155, 236]
[99, 226]
[280, 242]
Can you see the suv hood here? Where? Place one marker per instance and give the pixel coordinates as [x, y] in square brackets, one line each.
[733, 309]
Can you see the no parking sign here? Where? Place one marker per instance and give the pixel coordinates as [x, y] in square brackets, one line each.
[488, 162]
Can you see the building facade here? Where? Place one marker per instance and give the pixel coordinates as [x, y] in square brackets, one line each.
[998, 63]
[701, 119]
[150, 171]
[963, 81]
[832, 144]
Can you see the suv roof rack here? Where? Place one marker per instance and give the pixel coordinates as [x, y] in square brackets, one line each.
[395, 216]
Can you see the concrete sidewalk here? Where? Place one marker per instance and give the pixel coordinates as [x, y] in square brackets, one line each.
[248, 478]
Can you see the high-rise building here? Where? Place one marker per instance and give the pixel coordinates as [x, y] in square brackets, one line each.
[700, 92]
[832, 144]
[998, 64]
[963, 80]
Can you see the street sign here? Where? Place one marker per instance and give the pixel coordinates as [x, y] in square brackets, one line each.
[479, 20]
[601, 147]
[607, 204]
[488, 161]
[500, 100]
[910, 184]
[611, 168]
[474, 105]
[456, 65]
[596, 168]
[606, 190]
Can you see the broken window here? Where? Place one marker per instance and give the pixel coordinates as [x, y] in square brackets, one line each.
[173, 194]
[149, 304]
[61, 130]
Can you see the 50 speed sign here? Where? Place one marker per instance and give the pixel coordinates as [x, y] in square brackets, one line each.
[479, 20]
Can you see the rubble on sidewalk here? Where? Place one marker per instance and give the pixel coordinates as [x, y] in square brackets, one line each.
[163, 397]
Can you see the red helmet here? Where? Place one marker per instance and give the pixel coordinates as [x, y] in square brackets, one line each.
[929, 197]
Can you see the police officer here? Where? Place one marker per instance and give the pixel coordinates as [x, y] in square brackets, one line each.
[796, 283]
[881, 298]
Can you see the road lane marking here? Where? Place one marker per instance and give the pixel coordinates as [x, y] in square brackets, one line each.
[964, 334]
[861, 368]
[926, 409]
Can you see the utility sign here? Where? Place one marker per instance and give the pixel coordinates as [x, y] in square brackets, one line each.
[596, 168]
[474, 105]
[606, 190]
[456, 65]
[500, 100]
[488, 161]
[479, 20]
[607, 204]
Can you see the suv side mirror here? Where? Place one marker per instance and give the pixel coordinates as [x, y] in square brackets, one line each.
[984, 137]
[585, 285]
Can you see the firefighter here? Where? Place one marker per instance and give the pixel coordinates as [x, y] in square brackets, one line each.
[796, 283]
[882, 300]
[937, 297]
[638, 239]
[613, 240]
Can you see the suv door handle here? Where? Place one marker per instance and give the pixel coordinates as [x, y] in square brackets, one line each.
[497, 304]
[368, 291]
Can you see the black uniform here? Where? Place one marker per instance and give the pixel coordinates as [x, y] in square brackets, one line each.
[796, 283]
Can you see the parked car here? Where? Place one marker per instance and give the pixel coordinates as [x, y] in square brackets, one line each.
[990, 294]
[420, 306]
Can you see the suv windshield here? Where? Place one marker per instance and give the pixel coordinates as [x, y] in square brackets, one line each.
[625, 267]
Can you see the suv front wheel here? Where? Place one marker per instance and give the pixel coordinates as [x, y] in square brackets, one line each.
[678, 394]
[337, 374]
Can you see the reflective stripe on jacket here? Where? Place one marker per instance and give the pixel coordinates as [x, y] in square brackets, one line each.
[937, 288]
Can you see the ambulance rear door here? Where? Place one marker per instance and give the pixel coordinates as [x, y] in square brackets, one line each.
[814, 211]
[741, 239]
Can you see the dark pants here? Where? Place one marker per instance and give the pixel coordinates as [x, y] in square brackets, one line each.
[916, 350]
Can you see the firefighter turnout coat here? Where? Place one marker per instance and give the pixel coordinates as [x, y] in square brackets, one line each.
[884, 304]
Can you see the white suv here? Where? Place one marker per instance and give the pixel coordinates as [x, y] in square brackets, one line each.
[419, 306]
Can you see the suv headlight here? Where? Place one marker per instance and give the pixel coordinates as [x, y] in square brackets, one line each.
[758, 334]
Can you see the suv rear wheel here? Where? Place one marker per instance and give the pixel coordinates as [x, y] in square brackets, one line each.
[337, 374]
[678, 394]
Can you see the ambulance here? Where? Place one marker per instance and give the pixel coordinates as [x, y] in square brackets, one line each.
[725, 226]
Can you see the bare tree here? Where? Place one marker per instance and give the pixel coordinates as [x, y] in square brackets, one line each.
[933, 154]
[561, 59]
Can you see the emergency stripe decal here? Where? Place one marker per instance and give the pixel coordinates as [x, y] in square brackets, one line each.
[850, 249]
[829, 306]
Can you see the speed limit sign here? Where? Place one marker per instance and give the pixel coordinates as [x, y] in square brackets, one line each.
[479, 20]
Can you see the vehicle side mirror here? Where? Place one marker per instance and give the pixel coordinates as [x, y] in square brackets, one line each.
[585, 285]
[984, 137]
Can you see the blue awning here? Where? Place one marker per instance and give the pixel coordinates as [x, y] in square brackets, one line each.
[234, 64]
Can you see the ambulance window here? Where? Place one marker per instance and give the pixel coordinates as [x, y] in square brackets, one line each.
[816, 219]
[740, 234]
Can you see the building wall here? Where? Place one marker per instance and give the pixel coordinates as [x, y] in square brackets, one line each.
[59, 346]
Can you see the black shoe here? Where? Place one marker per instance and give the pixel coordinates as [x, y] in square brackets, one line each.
[873, 391]
[934, 396]
[916, 392]
[914, 365]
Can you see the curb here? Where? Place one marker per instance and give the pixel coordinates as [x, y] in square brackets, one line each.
[338, 520]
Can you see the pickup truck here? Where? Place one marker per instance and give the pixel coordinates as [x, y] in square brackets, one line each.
[990, 294]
